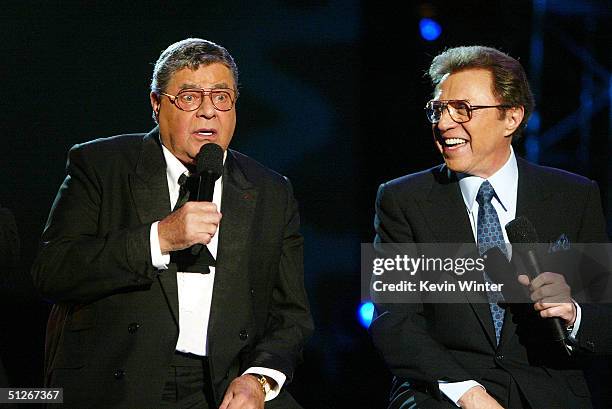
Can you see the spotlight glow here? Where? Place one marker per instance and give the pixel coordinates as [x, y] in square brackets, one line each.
[366, 313]
[430, 29]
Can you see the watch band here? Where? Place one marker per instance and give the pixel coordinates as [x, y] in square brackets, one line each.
[263, 382]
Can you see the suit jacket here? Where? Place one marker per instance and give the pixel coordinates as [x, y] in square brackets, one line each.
[9, 278]
[425, 343]
[9, 254]
[113, 329]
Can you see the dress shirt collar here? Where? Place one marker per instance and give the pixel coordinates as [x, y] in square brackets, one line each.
[175, 168]
[504, 181]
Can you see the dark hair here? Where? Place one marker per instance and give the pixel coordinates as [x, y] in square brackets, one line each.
[509, 79]
[189, 53]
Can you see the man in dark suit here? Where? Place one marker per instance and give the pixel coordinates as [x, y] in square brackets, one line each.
[135, 327]
[481, 353]
[9, 256]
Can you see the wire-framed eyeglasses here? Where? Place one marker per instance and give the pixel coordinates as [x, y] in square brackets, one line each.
[459, 110]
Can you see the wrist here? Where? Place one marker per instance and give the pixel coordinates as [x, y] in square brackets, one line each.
[472, 395]
[569, 325]
[263, 382]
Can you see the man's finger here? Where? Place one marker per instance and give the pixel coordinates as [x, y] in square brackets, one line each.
[557, 311]
[226, 400]
[241, 401]
[547, 277]
[552, 293]
[541, 305]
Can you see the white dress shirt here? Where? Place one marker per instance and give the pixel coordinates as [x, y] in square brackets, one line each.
[195, 289]
[505, 183]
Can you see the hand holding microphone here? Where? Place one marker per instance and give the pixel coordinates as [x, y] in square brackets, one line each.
[209, 167]
[197, 220]
[549, 291]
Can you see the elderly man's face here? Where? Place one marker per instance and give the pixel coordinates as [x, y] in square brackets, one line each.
[481, 146]
[184, 133]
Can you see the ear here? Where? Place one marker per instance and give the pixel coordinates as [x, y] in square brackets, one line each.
[155, 103]
[514, 117]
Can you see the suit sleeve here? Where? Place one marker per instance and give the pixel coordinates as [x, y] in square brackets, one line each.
[593, 337]
[77, 262]
[399, 330]
[289, 322]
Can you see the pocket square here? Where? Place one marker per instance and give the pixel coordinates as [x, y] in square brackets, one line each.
[561, 244]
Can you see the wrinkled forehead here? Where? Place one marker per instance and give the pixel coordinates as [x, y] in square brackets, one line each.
[214, 75]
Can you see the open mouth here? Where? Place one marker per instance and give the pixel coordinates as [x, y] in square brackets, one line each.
[205, 132]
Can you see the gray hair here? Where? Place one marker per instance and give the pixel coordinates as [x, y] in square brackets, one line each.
[189, 53]
[510, 83]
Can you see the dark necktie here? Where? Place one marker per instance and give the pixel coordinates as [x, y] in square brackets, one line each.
[183, 192]
[489, 234]
[186, 261]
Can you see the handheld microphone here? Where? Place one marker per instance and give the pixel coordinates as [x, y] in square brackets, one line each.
[209, 167]
[521, 231]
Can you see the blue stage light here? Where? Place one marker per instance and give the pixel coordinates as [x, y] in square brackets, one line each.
[366, 312]
[430, 29]
[534, 122]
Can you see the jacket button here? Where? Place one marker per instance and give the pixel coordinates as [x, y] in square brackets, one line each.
[119, 374]
[244, 334]
[252, 291]
[499, 357]
[133, 327]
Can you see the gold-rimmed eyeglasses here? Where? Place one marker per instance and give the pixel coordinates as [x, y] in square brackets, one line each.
[191, 99]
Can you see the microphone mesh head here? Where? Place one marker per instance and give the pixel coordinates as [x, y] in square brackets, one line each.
[520, 230]
[210, 160]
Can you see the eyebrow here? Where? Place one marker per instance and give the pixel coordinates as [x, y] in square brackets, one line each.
[221, 85]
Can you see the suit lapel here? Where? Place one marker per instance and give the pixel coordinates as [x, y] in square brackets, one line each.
[446, 215]
[149, 187]
[445, 212]
[149, 184]
[535, 200]
[238, 203]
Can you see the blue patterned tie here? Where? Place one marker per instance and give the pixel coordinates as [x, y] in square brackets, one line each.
[489, 234]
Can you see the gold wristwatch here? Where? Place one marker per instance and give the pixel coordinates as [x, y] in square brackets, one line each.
[263, 382]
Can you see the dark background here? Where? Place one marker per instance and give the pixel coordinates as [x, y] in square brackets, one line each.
[331, 96]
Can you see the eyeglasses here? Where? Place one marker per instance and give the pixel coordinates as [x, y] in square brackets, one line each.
[191, 99]
[459, 110]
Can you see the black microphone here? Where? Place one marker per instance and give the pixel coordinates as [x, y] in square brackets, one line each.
[501, 271]
[209, 167]
[521, 231]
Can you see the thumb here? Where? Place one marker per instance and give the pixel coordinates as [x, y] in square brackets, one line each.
[524, 280]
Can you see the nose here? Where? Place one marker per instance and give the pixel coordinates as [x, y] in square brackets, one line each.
[446, 122]
[207, 109]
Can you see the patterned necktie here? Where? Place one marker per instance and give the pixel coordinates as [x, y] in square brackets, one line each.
[489, 234]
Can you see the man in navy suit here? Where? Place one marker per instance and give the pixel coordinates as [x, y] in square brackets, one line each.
[449, 355]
